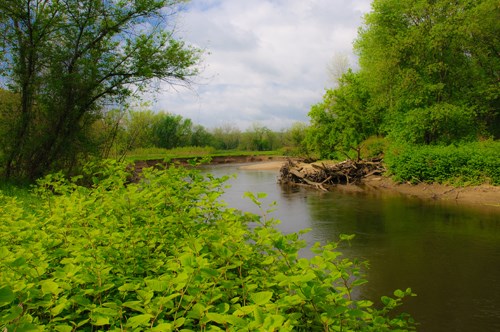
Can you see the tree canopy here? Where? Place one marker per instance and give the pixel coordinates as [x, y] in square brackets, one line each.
[429, 74]
[67, 59]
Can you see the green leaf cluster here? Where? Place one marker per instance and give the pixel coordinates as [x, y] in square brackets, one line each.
[165, 254]
[466, 164]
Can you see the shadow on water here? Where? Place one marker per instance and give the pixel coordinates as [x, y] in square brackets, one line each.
[448, 254]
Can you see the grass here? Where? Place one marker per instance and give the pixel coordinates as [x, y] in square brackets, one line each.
[191, 152]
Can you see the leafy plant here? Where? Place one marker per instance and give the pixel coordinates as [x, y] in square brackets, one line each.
[165, 254]
[472, 163]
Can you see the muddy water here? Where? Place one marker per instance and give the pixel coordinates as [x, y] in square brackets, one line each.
[448, 254]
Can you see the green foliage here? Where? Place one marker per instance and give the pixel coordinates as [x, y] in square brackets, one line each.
[373, 147]
[343, 119]
[259, 138]
[172, 131]
[472, 163]
[294, 140]
[438, 124]
[226, 137]
[165, 254]
[433, 65]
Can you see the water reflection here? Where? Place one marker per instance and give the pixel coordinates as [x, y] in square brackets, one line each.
[449, 255]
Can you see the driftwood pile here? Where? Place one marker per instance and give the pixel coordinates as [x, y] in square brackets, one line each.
[320, 175]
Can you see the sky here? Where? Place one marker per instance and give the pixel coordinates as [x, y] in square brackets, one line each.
[265, 61]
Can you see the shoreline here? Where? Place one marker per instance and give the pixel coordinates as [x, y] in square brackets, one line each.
[482, 195]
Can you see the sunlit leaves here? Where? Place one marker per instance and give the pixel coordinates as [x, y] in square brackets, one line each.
[164, 254]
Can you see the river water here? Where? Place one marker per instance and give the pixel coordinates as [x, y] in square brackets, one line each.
[448, 254]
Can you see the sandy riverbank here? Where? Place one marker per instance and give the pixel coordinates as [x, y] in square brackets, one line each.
[475, 195]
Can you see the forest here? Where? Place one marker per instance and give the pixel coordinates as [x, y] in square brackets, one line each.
[88, 250]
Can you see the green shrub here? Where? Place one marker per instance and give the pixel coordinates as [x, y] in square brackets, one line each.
[472, 163]
[166, 255]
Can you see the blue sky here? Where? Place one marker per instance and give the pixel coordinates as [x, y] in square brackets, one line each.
[266, 60]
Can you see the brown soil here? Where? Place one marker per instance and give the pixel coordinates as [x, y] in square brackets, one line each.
[486, 195]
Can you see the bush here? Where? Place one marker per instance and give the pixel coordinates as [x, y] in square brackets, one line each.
[472, 163]
[163, 255]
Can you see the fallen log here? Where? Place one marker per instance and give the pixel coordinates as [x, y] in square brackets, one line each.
[320, 176]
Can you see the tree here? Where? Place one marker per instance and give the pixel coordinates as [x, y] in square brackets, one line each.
[341, 122]
[226, 137]
[172, 131]
[259, 138]
[66, 59]
[294, 139]
[440, 58]
[201, 137]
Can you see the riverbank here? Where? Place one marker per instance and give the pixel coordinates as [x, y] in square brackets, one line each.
[485, 195]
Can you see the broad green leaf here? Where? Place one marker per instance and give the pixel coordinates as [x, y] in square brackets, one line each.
[49, 286]
[99, 320]
[18, 262]
[218, 318]
[157, 285]
[135, 305]
[58, 309]
[12, 314]
[145, 296]
[179, 322]
[6, 295]
[63, 328]
[197, 311]
[164, 327]
[106, 311]
[128, 287]
[26, 327]
[140, 320]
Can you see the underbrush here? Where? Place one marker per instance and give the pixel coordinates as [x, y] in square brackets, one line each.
[467, 164]
[165, 254]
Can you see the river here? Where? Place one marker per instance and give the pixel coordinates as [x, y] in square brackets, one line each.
[448, 254]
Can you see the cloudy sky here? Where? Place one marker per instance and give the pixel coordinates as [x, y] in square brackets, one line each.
[266, 60]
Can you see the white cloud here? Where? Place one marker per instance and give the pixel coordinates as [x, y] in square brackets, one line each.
[267, 58]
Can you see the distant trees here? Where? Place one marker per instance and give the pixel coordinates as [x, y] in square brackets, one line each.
[259, 138]
[67, 59]
[429, 74]
[121, 131]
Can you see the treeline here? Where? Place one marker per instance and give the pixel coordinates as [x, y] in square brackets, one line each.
[121, 132]
[429, 75]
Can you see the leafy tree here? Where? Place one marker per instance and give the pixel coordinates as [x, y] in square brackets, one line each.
[172, 131]
[295, 138]
[66, 59]
[425, 60]
[201, 137]
[343, 119]
[259, 138]
[226, 137]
